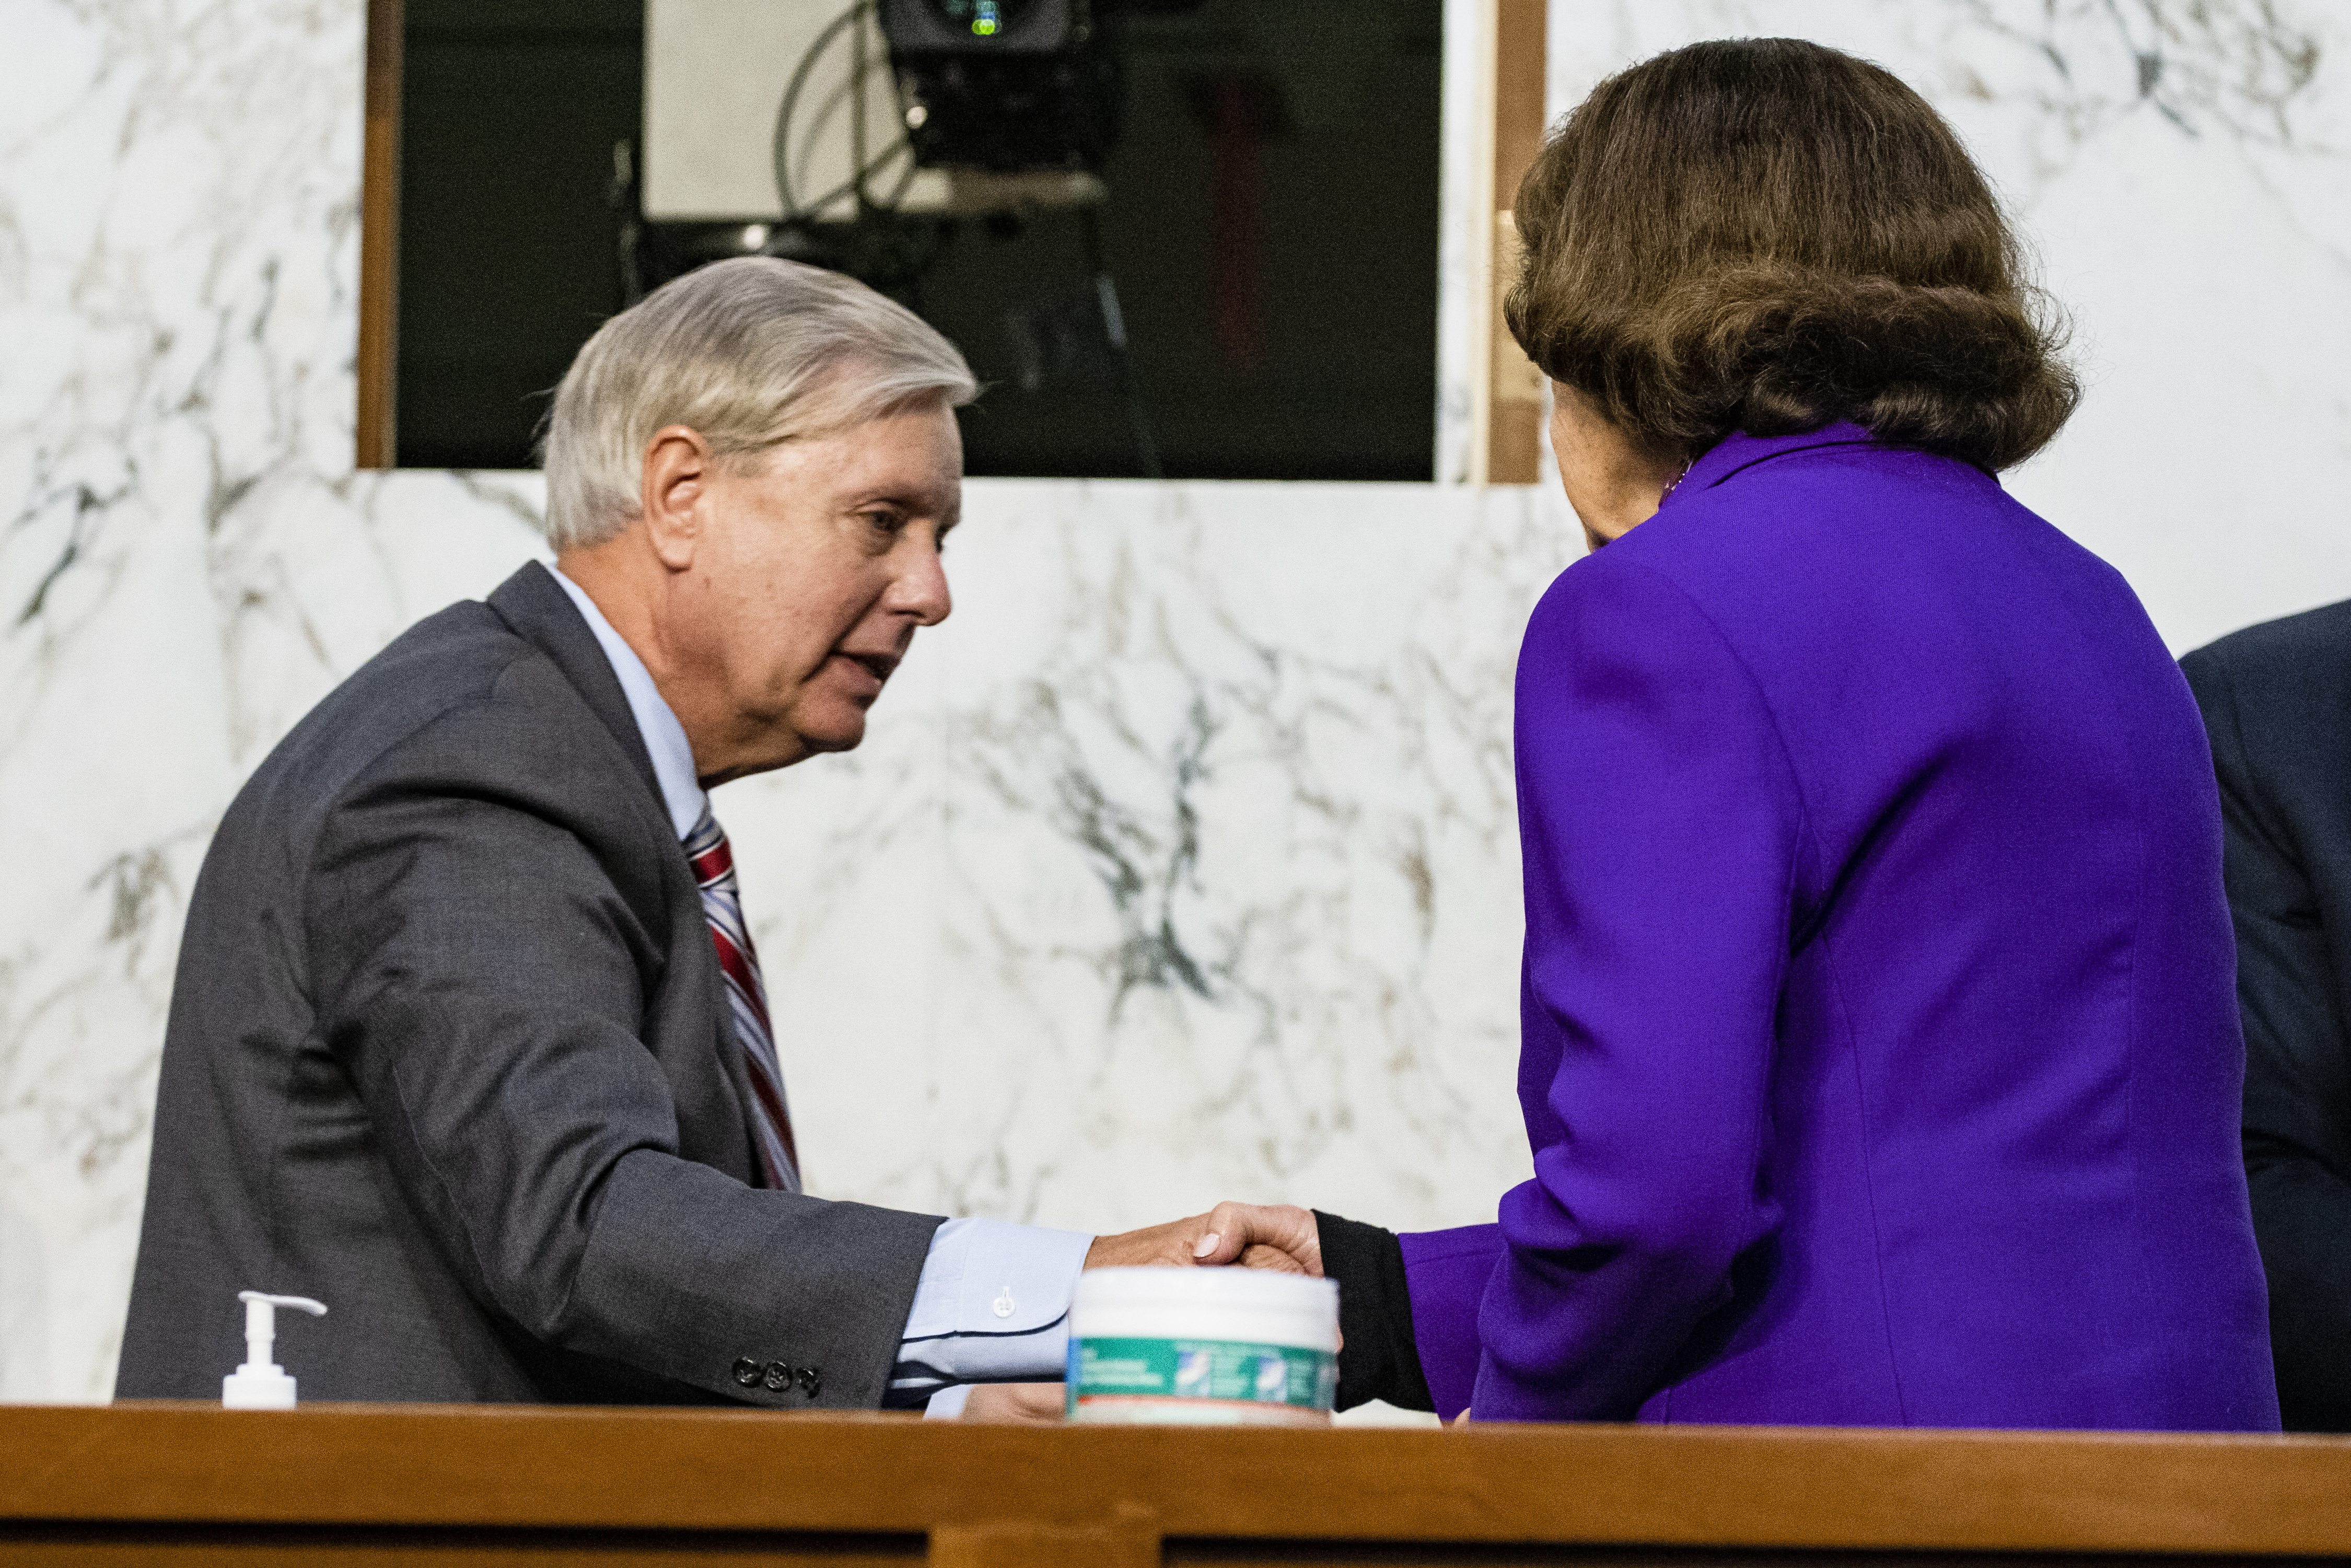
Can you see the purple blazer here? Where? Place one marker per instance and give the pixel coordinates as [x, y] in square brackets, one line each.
[1880, 1050]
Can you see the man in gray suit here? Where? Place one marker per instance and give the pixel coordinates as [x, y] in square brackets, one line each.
[469, 1038]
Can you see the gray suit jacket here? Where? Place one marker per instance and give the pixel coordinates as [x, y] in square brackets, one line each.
[448, 1051]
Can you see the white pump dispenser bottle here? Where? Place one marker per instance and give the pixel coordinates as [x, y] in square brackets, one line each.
[261, 1384]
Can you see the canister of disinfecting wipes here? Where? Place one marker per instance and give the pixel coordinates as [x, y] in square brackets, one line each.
[1209, 1346]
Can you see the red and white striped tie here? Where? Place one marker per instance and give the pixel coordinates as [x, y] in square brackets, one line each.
[722, 906]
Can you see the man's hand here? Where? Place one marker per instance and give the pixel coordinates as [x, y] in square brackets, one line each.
[1260, 1236]
[1019, 1404]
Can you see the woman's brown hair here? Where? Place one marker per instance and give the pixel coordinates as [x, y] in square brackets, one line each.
[1766, 235]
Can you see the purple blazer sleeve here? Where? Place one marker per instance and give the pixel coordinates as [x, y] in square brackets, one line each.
[1445, 1273]
[1660, 827]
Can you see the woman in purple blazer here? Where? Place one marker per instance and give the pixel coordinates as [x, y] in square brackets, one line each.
[1880, 1056]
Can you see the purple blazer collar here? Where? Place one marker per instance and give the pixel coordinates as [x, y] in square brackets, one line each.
[1739, 451]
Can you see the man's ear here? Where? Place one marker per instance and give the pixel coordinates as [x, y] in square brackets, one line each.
[676, 480]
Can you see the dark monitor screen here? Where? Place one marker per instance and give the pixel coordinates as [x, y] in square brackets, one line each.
[1269, 231]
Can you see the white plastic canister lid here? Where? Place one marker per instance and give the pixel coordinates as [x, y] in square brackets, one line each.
[1256, 1306]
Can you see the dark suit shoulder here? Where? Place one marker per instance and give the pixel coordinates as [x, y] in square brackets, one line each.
[2277, 698]
[2313, 648]
[525, 739]
[454, 657]
[462, 705]
[446, 661]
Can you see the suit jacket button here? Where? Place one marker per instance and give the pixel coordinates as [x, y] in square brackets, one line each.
[811, 1379]
[747, 1373]
[779, 1377]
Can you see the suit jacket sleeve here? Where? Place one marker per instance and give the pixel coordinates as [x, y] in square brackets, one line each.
[2297, 1069]
[1660, 828]
[484, 956]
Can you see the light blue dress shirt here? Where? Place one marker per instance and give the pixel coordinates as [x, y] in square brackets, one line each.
[993, 1303]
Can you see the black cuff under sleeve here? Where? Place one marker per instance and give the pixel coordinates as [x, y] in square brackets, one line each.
[1380, 1359]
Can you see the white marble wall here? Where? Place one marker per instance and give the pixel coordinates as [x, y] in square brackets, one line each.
[1180, 863]
[1197, 820]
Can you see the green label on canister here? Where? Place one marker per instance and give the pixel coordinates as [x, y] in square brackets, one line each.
[1202, 1369]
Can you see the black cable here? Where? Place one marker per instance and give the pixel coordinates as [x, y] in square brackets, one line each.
[621, 195]
[880, 162]
[905, 178]
[857, 114]
[905, 139]
[1114, 332]
[783, 140]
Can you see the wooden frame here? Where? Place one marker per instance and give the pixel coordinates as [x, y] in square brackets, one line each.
[509, 1485]
[379, 347]
[1514, 387]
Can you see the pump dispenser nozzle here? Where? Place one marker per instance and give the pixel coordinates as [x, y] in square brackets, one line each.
[261, 1384]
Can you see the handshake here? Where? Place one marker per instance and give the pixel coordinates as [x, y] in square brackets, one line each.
[1254, 1235]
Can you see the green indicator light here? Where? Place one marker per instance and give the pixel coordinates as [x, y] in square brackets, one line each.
[984, 19]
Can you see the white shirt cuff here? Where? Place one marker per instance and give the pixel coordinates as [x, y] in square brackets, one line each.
[992, 1306]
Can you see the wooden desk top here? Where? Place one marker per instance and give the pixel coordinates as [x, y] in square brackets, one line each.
[493, 1468]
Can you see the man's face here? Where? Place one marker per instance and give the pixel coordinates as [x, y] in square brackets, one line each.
[813, 568]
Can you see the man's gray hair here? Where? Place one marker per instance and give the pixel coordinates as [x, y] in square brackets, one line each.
[750, 353]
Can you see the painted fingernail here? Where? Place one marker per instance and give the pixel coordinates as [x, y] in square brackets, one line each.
[1206, 1245]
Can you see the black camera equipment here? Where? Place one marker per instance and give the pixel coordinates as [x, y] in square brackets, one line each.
[1017, 100]
[1009, 85]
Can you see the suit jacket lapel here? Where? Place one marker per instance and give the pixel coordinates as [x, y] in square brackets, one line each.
[540, 613]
